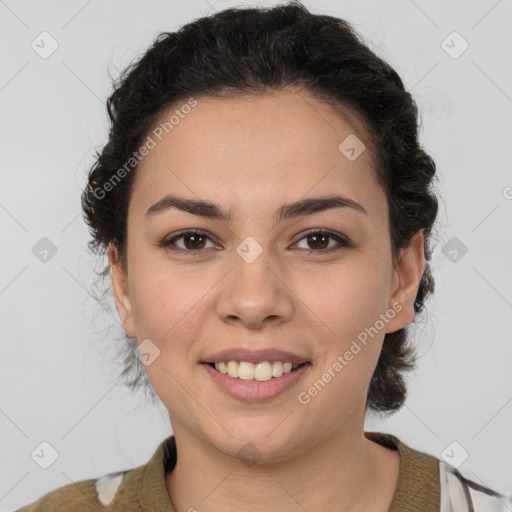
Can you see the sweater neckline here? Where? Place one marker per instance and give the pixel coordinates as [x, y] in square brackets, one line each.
[417, 487]
[418, 478]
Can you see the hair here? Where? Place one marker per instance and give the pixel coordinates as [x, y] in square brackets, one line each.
[242, 51]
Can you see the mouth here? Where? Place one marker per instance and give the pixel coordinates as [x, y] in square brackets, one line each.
[261, 372]
[256, 382]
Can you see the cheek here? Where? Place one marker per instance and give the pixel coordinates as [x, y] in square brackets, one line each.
[169, 306]
[168, 300]
[346, 307]
[347, 299]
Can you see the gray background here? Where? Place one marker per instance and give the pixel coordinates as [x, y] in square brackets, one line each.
[57, 377]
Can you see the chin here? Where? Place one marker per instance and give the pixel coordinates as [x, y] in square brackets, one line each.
[252, 439]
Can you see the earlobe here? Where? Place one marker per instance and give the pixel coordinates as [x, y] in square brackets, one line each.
[121, 290]
[407, 278]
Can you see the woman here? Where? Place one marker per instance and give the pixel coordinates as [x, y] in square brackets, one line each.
[266, 209]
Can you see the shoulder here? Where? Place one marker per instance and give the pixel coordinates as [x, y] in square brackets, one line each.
[430, 484]
[75, 496]
[133, 490]
[459, 491]
[91, 495]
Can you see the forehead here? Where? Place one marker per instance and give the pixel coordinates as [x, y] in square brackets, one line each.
[251, 149]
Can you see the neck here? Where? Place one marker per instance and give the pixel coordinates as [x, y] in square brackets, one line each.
[342, 472]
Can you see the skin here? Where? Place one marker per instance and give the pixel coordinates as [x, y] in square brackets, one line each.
[250, 155]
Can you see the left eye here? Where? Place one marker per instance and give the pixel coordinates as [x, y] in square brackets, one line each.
[320, 238]
[194, 241]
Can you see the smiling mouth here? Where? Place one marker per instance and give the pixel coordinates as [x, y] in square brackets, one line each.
[263, 371]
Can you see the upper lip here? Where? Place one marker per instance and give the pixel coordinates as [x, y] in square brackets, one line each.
[254, 356]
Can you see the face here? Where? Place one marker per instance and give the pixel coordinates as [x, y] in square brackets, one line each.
[310, 281]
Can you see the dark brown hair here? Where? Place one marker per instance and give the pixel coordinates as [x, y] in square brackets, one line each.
[263, 50]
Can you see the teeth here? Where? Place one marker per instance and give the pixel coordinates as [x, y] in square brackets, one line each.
[246, 371]
[260, 371]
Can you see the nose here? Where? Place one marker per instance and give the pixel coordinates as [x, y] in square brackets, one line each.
[255, 293]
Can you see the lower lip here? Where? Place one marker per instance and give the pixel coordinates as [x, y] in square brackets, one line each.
[254, 390]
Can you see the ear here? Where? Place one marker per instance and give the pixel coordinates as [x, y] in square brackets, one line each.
[121, 291]
[406, 281]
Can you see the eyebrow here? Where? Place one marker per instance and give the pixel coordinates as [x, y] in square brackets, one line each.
[210, 210]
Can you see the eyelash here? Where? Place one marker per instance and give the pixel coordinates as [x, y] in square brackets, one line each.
[168, 242]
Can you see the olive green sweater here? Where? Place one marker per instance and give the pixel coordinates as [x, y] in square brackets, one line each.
[425, 484]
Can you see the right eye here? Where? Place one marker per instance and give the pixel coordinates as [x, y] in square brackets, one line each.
[194, 241]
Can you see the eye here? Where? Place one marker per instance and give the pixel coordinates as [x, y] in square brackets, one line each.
[320, 240]
[194, 240]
